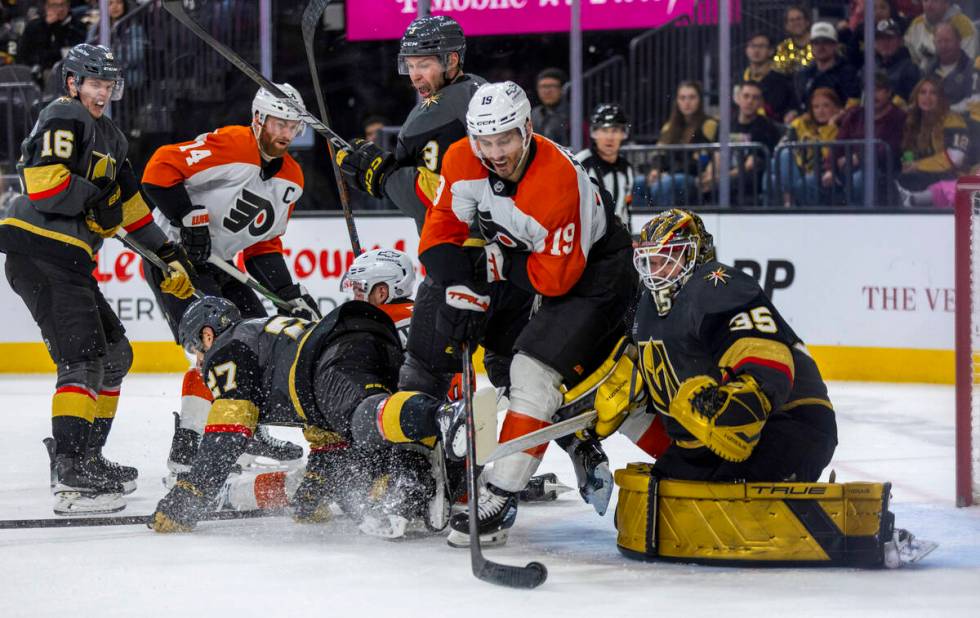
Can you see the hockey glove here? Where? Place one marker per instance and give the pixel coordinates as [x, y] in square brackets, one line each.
[103, 211]
[309, 504]
[180, 509]
[304, 306]
[176, 282]
[367, 165]
[727, 419]
[195, 236]
[462, 316]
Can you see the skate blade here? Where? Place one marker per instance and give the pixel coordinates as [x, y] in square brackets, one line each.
[77, 503]
[461, 540]
[128, 487]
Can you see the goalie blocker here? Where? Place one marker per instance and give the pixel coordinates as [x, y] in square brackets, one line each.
[760, 524]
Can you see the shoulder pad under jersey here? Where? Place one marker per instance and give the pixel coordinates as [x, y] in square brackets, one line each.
[66, 108]
[716, 288]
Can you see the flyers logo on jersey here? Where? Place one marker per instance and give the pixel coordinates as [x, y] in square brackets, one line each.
[494, 232]
[252, 211]
[658, 374]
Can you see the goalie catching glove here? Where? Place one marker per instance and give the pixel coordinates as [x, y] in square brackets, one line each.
[727, 419]
[367, 164]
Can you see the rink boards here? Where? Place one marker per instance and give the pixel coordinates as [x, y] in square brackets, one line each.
[871, 294]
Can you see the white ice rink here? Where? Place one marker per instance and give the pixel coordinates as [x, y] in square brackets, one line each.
[273, 567]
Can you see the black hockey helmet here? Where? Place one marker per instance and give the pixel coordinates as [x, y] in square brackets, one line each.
[84, 60]
[609, 115]
[436, 35]
[218, 313]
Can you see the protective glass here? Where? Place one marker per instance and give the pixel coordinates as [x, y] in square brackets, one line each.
[403, 62]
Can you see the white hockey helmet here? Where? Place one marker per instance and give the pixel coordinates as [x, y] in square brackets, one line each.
[267, 104]
[388, 266]
[497, 108]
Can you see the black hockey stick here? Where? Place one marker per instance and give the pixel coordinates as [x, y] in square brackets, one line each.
[176, 8]
[531, 575]
[124, 520]
[149, 256]
[311, 22]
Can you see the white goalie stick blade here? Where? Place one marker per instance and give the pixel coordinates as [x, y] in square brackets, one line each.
[485, 421]
[541, 436]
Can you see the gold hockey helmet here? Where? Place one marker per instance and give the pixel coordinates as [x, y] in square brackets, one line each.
[672, 245]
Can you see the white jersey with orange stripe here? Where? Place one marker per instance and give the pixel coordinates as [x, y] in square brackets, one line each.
[248, 201]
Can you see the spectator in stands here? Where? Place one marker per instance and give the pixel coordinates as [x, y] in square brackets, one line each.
[892, 56]
[672, 179]
[889, 125]
[934, 145]
[800, 173]
[973, 120]
[851, 31]
[47, 38]
[550, 118]
[372, 126]
[129, 42]
[8, 39]
[828, 69]
[953, 67]
[747, 170]
[776, 87]
[920, 37]
[795, 51]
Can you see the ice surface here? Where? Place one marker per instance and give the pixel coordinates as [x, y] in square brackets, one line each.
[273, 567]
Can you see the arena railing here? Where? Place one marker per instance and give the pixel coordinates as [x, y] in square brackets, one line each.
[17, 99]
[688, 174]
[798, 170]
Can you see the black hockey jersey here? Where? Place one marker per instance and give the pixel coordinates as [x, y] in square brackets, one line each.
[722, 324]
[431, 127]
[272, 365]
[67, 149]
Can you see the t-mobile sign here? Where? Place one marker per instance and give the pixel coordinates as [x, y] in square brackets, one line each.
[387, 19]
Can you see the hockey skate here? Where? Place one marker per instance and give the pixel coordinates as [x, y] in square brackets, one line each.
[265, 445]
[81, 488]
[497, 511]
[595, 481]
[124, 475]
[905, 548]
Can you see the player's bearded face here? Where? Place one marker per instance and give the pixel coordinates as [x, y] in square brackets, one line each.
[426, 73]
[94, 94]
[502, 151]
[277, 134]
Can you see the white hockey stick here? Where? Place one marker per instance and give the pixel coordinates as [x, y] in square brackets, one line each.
[543, 435]
[249, 280]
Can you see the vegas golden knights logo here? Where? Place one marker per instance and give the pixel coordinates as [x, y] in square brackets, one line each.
[102, 165]
[659, 375]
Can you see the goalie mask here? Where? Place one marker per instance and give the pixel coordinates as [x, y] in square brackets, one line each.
[672, 245]
[388, 266]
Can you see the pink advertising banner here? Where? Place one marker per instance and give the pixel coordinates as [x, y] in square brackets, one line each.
[387, 19]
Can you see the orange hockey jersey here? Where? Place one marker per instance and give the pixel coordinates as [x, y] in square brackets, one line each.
[546, 223]
[222, 171]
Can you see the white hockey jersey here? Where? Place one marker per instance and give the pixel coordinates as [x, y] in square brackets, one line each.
[222, 171]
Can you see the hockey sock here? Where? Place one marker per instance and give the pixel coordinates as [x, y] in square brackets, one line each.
[409, 416]
[647, 431]
[72, 414]
[105, 411]
[195, 401]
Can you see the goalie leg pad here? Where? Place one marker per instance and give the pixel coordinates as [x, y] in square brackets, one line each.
[752, 524]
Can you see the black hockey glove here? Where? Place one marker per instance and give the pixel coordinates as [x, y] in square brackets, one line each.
[177, 281]
[103, 211]
[195, 236]
[304, 306]
[180, 509]
[367, 164]
[462, 316]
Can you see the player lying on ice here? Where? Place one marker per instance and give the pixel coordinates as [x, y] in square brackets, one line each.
[330, 376]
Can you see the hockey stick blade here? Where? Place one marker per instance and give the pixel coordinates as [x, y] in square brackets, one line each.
[541, 436]
[532, 574]
[312, 16]
[124, 520]
[176, 8]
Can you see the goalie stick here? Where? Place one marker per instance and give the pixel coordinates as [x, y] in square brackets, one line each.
[311, 21]
[176, 8]
[124, 520]
[531, 575]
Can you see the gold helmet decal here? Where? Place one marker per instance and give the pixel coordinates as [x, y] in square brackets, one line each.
[672, 245]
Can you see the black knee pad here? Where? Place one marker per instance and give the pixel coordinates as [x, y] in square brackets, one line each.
[117, 362]
[415, 375]
[88, 372]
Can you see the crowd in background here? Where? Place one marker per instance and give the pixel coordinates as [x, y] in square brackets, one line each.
[799, 97]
